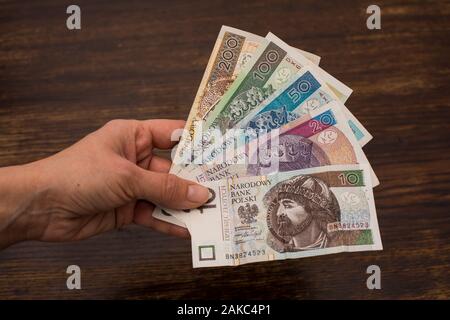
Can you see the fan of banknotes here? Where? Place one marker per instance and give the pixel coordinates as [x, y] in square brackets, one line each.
[270, 136]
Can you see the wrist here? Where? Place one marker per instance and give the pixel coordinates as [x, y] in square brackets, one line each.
[24, 204]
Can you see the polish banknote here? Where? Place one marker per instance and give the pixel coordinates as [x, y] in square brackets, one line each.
[274, 66]
[305, 94]
[341, 91]
[287, 215]
[232, 51]
[318, 138]
[245, 74]
[255, 86]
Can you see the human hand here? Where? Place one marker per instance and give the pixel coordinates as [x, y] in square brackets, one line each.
[107, 180]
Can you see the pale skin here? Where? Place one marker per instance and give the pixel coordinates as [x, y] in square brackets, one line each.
[106, 181]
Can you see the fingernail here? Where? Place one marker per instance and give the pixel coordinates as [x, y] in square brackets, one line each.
[197, 193]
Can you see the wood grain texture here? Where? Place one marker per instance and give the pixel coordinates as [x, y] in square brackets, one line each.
[145, 59]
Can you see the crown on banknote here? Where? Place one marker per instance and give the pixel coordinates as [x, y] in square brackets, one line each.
[309, 188]
[306, 193]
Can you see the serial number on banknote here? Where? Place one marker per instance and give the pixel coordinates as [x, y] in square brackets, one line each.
[244, 254]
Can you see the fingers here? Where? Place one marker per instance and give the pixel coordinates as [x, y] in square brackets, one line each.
[124, 215]
[168, 190]
[155, 163]
[161, 132]
[143, 216]
[159, 164]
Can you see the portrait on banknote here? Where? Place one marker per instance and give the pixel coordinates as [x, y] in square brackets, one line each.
[299, 212]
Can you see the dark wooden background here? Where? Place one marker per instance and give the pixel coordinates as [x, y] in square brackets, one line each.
[144, 59]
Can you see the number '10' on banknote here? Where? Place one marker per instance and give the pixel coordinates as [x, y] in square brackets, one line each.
[289, 215]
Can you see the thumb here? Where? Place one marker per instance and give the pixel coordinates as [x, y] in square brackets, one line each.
[169, 191]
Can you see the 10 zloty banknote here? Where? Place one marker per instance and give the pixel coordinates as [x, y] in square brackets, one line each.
[292, 214]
